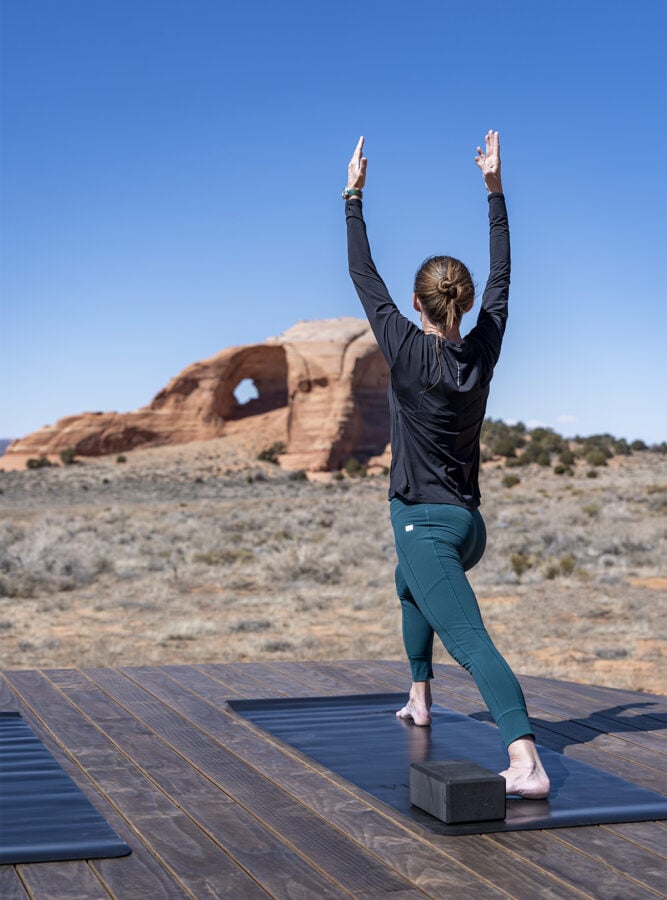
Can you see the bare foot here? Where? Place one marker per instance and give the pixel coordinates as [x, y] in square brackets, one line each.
[525, 776]
[418, 707]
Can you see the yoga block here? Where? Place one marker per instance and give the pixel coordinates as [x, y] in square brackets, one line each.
[457, 791]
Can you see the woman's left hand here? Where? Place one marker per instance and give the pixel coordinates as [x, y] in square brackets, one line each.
[356, 171]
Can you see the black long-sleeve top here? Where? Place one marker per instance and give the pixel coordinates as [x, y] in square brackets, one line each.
[438, 388]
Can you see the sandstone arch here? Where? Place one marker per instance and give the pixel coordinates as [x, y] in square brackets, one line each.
[322, 391]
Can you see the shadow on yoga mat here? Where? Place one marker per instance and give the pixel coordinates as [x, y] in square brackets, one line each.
[43, 814]
[360, 738]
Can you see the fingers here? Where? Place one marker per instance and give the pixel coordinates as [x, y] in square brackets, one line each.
[480, 158]
[356, 156]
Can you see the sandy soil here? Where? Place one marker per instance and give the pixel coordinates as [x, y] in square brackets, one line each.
[199, 553]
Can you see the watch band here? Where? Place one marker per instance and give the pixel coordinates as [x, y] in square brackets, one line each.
[351, 192]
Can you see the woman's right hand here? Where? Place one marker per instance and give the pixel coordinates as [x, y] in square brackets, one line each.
[488, 161]
[356, 170]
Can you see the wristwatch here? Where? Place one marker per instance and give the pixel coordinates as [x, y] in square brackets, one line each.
[351, 192]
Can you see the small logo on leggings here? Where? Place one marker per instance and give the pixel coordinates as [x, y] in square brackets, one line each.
[409, 527]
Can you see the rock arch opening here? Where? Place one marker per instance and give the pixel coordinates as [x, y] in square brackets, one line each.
[245, 391]
[256, 382]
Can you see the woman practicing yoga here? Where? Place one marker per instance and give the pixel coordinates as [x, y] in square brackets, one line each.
[437, 400]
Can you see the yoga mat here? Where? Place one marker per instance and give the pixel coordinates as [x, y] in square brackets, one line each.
[43, 814]
[360, 738]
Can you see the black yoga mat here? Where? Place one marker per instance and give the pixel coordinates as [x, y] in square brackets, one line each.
[360, 738]
[43, 814]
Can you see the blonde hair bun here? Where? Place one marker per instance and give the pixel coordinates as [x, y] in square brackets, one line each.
[447, 288]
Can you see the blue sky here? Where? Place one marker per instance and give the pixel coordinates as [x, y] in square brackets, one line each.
[171, 174]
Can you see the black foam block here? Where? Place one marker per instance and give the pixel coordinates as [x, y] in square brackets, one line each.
[360, 738]
[457, 791]
[43, 814]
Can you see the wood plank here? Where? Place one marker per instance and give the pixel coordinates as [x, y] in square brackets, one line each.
[305, 784]
[325, 677]
[642, 865]
[649, 835]
[241, 683]
[159, 828]
[321, 845]
[579, 870]
[11, 887]
[596, 693]
[62, 881]
[268, 674]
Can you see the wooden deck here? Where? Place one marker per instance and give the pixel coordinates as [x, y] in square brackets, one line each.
[212, 807]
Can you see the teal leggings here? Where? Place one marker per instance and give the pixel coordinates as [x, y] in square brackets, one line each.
[436, 544]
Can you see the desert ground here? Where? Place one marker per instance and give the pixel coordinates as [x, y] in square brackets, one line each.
[200, 553]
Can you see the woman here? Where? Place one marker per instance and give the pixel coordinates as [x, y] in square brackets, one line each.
[439, 388]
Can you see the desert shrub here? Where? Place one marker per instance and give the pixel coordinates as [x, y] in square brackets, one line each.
[223, 557]
[512, 462]
[520, 563]
[621, 447]
[355, 469]
[563, 470]
[567, 564]
[536, 453]
[501, 439]
[68, 456]
[505, 446]
[510, 480]
[55, 555]
[604, 443]
[277, 646]
[592, 473]
[567, 457]
[121, 458]
[40, 462]
[563, 566]
[596, 457]
[638, 446]
[592, 510]
[251, 625]
[548, 439]
[271, 454]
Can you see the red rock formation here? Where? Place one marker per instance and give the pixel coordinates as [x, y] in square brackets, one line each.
[328, 376]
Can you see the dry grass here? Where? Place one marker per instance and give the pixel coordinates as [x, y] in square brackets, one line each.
[193, 554]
